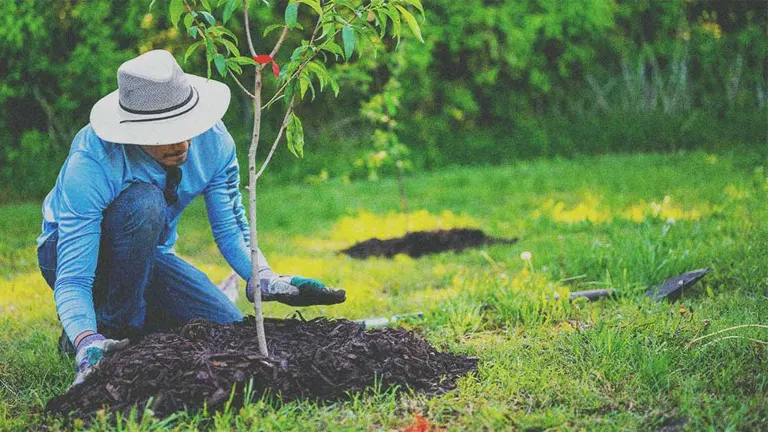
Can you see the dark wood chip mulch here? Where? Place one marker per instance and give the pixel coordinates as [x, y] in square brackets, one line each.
[319, 359]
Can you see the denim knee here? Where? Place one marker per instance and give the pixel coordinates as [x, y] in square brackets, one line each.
[139, 207]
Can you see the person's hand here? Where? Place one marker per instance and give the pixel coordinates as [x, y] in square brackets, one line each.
[295, 291]
[91, 351]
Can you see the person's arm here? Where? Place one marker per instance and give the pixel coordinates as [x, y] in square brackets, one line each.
[226, 213]
[85, 193]
[232, 234]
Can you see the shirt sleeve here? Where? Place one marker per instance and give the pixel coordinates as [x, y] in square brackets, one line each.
[85, 194]
[226, 213]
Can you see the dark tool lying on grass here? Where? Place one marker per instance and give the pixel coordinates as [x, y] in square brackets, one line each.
[673, 288]
[590, 295]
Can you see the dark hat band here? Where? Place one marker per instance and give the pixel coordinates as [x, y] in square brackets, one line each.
[192, 93]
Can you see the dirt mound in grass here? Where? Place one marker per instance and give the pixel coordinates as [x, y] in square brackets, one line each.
[319, 359]
[421, 243]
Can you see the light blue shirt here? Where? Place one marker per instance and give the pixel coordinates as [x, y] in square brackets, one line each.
[94, 175]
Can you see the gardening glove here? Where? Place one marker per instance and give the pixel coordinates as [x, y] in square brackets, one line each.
[90, 351]
[295, 291]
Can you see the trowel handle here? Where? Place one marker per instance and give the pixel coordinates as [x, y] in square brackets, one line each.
[396, 318]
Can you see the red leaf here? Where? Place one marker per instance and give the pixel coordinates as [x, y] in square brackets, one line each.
[420, 424]
[264, 58]
[276, 69]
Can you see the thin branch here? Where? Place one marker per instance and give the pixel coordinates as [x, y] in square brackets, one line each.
[247, 28]
[239, 84]
[277, 140]
[54, 127]
[276, 49]
[279, 43]
[278, 94]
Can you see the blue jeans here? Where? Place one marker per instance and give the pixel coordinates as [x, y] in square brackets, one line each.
[138, 289]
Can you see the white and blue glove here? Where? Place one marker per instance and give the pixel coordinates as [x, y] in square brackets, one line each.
[294, 290]
[91, 351]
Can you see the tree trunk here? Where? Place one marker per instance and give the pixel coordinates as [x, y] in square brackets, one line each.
[252, 210]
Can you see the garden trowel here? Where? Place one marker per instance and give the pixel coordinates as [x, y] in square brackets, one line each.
[673, 288]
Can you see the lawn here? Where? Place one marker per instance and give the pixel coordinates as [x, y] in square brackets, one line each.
[624, 222]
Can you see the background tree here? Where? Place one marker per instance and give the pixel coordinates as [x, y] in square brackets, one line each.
[494, 82]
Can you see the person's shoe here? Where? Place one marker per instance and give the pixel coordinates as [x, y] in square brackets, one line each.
[65, 345]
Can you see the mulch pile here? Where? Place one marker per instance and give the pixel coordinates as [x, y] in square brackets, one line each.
[421, 243]
[319, 359]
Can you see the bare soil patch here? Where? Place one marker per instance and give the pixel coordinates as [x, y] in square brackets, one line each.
[421, 243]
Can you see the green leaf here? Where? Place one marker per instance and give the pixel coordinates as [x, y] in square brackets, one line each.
[244, 61]
[221, 64]
[208, 61]
[334, 86]
[295, 136]
[305, 82]
[229, 10]
[291, 14]
[227, 32]
[175, 10]
[289, 89]
[395, 17]
[414, 3]
[193, 32]
[414, 26]
[311, 87]
[328, 27]
[382, 22]
[231, 48]
[349, 6]
[210, 48]
[298, 51]
[208, 17]
[188, 20]
[320, 71]
[192, 49]
[332, 47]
[303, 85]
[234, 67]
[206, 5]
[348, 37]
[314, 4]
[271, 28]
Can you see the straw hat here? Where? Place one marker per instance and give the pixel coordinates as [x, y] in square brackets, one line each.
[156, 103]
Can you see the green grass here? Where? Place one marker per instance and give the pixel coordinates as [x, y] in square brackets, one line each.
[627, 364]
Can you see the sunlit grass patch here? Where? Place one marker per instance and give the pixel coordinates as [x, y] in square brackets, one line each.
[366, 225]
[735, 193]
[591, 208]
[26, 298]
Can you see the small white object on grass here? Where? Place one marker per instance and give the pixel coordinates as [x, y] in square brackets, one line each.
[526, 256]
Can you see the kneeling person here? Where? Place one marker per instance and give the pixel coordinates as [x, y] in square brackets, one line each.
[110, 222]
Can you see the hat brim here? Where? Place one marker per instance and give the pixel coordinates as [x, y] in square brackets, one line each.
[213, 104]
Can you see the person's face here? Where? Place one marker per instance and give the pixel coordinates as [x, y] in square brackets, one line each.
[171, 155]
